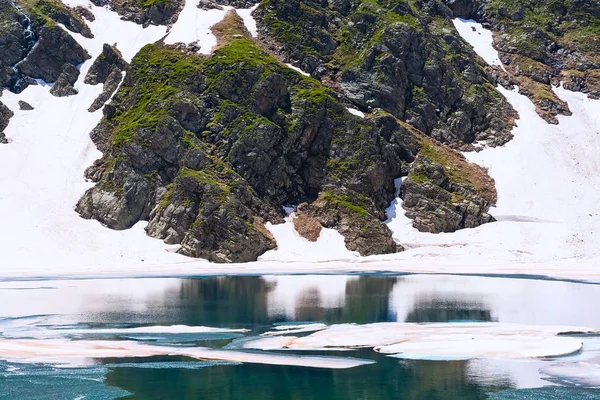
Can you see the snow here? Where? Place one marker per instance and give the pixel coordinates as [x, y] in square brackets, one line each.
[43, 170]
[356, 112]
[298, 70]
[481, 39]
[193, 26]
[291, 246]
[438, 340]
[249, 21]
[547, 194]
[61, 331]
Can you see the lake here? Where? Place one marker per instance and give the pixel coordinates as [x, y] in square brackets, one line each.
[106, 339]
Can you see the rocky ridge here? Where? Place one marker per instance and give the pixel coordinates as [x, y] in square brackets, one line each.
[543, 43]
[403, 57]
[208, 148]
[33, 46]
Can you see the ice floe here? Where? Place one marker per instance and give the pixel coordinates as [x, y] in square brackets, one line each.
[581, 373]
[76, 352]
[439, 340]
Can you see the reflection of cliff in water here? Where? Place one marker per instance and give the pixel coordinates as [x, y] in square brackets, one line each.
[355, 299]
[444, 310]
[387, 379]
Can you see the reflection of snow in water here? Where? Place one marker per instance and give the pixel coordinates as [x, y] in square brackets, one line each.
[293, 292]
[523, 301]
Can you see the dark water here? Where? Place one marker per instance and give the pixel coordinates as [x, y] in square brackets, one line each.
[259, 303]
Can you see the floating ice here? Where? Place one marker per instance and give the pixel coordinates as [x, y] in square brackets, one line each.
[439, 341]
[77, 351]
[581, 373]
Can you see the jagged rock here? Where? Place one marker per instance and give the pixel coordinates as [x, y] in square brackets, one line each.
[444, 193]
[209, 5]
[23, 105]
[13, 42]
[104, 65]
[409, 61]
[5, 115]
[540, 55]
[110, 85]
[54, 48]
[355, 218]
[143, 12]
[70, 18]
[208, 148]
[85, 13]
[64, 84]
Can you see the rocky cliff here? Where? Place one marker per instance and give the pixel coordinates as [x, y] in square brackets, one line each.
[543, 43]
[207, 149]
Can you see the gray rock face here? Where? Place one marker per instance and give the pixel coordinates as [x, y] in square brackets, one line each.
[144, 13]
[438, 201]
[5, 115]
[13, 42]
[110, 85]
[64, 84]
[23, 105]
[407, 60]
[104, 65]
[218, 4]
[206, 149]
[54, 49]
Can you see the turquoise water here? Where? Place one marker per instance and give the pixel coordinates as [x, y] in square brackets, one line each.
[89, 309]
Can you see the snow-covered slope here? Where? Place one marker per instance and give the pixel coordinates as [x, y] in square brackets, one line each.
[547, 178]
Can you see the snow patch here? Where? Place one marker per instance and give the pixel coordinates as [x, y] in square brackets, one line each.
[298, 70]
[480, 38]
[292, 247]
[356, 112]
[193, 26]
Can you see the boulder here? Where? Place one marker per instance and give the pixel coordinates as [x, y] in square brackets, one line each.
[104, 65]
[64, 84]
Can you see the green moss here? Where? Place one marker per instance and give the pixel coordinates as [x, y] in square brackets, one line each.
[417, 177]
[355, 204]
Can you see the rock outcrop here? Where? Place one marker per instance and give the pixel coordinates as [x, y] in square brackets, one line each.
[64, 84]
[208, 148]
[5, 115]
[107, 69]
[25, 106]
[403, 57]
[445, 193]
[543, 43]
[53, 50]
[104, 64]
